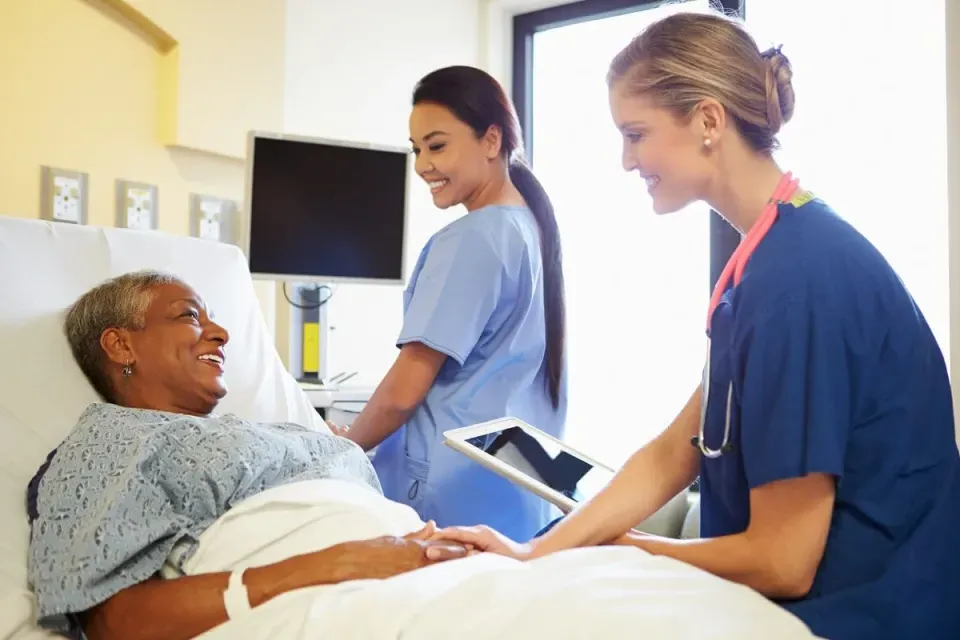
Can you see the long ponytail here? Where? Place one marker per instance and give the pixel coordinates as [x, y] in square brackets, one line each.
[554, 300]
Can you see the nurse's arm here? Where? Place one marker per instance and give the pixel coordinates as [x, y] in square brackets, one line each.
[779, 553]
[652, 476]
[402, 390]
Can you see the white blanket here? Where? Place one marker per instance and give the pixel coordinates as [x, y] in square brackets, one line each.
[607, 592]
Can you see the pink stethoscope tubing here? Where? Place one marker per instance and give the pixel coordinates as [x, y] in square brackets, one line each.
[734, 271]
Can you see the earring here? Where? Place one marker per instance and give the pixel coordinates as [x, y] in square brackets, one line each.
[127, 370]
[707, 142]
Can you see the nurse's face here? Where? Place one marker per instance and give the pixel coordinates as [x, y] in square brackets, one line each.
[668, 153]
[450, 157]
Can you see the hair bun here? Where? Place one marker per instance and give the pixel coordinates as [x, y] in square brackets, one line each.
[779, 84]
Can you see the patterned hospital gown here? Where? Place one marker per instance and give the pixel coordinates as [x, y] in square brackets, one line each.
[127, 485]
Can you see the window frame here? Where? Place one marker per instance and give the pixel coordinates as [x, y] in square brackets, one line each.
[723, 237]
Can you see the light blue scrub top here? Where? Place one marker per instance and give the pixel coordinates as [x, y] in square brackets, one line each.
[836, 371]
[476, 295]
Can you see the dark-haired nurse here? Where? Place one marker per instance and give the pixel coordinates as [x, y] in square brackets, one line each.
[483, 327]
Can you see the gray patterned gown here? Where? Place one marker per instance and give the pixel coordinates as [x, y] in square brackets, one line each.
[127, 485]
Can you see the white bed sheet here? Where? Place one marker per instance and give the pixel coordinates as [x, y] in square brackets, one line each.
[603, 592]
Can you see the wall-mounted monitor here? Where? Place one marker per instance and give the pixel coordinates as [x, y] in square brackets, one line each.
[322, 210]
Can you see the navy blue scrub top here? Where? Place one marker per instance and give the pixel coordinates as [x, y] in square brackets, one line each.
[836, 371]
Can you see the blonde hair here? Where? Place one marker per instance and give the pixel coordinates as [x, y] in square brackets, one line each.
[687, 57]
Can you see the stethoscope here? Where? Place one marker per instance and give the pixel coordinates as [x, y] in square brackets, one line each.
[734, 270]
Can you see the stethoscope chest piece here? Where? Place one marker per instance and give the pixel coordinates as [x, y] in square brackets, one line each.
[707, 451]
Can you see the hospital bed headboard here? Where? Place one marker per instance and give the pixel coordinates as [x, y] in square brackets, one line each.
[44, 267]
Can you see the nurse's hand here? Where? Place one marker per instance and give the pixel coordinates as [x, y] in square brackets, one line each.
[632, 538]
[485, 540]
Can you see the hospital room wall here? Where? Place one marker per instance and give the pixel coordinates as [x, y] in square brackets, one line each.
[349, 76]
[161, 93]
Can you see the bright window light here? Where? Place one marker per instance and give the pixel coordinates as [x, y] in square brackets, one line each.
[637, 284]
[870, 134]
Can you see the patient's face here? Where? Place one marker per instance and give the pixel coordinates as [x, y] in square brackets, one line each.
[178, 356]
[450, 157]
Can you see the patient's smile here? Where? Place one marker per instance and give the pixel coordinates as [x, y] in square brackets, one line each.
[212, 359]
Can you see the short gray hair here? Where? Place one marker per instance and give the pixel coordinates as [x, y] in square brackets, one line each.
[120, 303]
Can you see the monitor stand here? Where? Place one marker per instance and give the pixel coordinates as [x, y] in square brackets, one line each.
[323, 342]
[305, 313]
[313, 344]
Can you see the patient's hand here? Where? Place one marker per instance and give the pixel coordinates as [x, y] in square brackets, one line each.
[379, 558]
[484, 539]
[142, 611]
[338, 430]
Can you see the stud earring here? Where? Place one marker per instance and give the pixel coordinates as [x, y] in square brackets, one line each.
[127, 370]
[707, 142]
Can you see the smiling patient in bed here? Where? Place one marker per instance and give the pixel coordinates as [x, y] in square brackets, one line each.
[146, 472]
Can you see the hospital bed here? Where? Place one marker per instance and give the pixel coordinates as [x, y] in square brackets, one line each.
[583, 593]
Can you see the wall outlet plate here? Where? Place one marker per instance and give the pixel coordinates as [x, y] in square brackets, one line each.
[213, 218]
[63, 195]
[136, 205]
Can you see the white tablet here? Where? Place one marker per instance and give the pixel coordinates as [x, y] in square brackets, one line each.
[552, 469]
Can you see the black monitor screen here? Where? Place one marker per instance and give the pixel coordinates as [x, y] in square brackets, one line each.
[321, 210]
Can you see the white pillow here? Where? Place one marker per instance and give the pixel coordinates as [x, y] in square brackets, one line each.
[44, 267]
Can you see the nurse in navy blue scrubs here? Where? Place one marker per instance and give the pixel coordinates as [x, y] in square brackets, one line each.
[823, 430]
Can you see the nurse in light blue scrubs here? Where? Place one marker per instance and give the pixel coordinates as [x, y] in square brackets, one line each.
[483, 325]
[823, 430]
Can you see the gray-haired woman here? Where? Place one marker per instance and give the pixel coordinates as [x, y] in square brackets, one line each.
[151, 468]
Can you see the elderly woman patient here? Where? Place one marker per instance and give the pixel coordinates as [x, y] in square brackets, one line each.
[152, 468]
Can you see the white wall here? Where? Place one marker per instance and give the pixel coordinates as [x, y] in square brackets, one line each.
[351, 68]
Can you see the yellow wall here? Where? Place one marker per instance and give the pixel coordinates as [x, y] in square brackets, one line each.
[80, 89]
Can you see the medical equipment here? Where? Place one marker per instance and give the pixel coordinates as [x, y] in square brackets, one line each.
[323, 211]
[537, 461]
[734, 270]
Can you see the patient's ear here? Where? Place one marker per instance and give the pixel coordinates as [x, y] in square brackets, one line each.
[116, 344]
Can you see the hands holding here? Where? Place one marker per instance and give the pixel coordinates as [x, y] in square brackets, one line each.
[388, 556]
[372, 559]
[483, 539]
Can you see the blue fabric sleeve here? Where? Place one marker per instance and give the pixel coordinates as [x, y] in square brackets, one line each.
[795, 394]
[455, 294]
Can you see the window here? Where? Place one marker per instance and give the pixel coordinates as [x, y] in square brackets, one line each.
[870, 134]
[637, 284]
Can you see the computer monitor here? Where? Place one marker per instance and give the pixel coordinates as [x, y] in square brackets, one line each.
[325, 211]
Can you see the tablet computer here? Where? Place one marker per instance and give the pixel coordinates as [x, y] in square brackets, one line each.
[520, 452]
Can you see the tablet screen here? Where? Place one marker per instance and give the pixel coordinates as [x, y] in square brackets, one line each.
[563, 471]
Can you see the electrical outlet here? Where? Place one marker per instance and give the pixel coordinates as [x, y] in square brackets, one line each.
[63, 196]
[136, 205]
[211, 218]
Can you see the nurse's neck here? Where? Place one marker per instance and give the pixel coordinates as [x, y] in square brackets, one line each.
[498, 189]
[742, 187]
